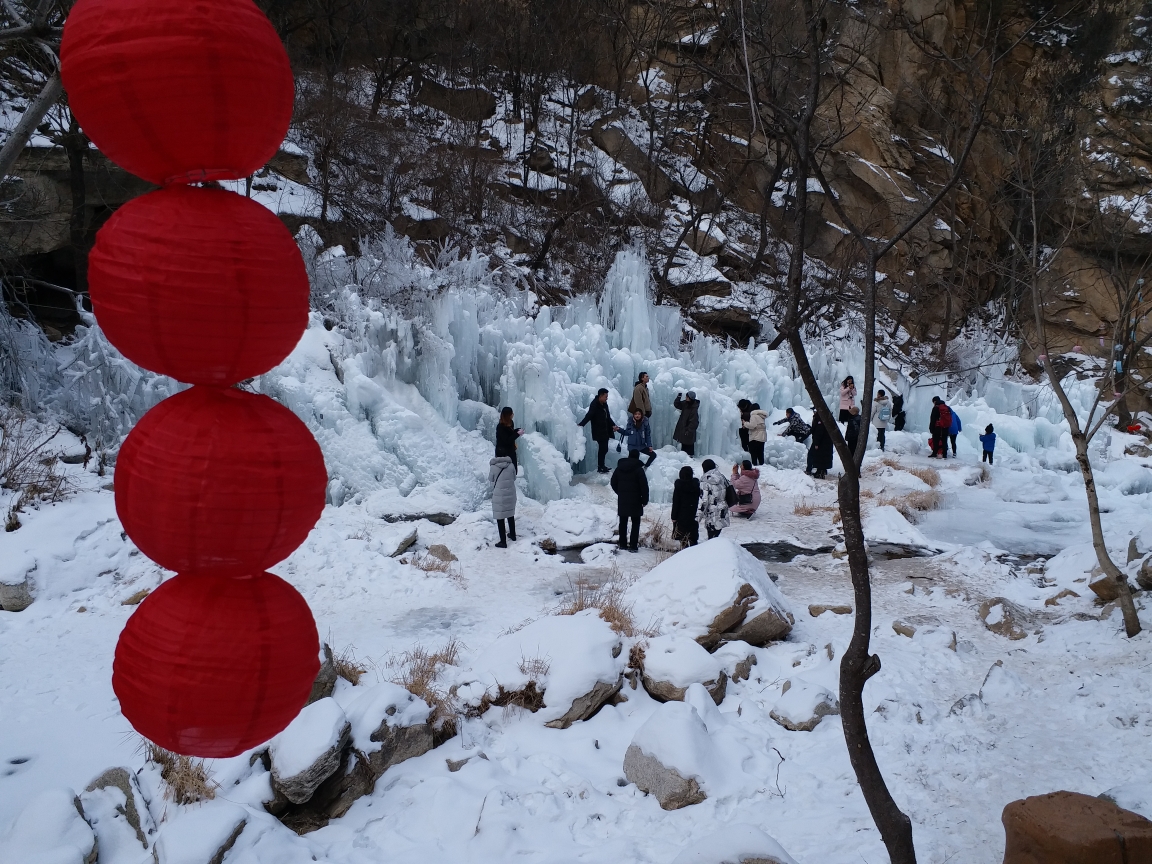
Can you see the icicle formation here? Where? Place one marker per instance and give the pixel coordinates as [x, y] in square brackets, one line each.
[209, 288]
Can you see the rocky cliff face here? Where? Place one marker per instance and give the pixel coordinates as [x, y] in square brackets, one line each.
[645, 134]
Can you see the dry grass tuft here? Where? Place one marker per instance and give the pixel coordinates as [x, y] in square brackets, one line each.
[535, 667]
[867, 493]
[657, 534]
[417, 670]
[185, 779]
[929, 475]
[636, 656]
[348, 667]
[912, 505]
[430, 563]
[804, 508]
[891, 463]
[608, 597]
[27, 467]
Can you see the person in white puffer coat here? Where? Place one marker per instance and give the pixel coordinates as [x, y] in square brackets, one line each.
[502, 478]
[714, 503]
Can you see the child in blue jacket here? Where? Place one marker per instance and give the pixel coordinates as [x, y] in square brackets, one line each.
[988, 441]
[638, 434]
[956, 428]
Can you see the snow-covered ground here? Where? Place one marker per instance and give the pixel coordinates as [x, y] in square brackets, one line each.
[404, 414]
[1070, 711]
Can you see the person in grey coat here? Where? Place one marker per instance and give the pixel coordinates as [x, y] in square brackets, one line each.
[502, 477]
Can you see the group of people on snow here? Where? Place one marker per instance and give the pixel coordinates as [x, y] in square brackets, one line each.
[712, 498]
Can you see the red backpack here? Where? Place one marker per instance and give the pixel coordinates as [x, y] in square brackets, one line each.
[945, 421]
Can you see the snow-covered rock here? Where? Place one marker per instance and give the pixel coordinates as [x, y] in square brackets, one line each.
[886, 530]
[325, 681]
[735, 844]
[50, 830]
[573, 660]
[17, 583]
[671, 755]
[200, 835]
[1136, 797]
[673, 662]
[309, 751]
[803, 705]
[388, 726]
[115, 807]
[1005, 618]
[1000, 685]
[712, 592]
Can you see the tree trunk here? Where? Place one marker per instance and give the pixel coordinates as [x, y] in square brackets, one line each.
[856, 667]
[31, 118]
[1127, 605]
[75, 145]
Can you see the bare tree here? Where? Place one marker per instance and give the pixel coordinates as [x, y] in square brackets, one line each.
[35, 28]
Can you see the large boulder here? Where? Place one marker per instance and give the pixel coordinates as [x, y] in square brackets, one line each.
[467, 103]
[671, 755]
[115, 807]
[672, 663]
[1070, 828]
[735, 844]
[562, 668]
[200, 835]
[309, 751]
[50, 828]
[713, 593]
[802, 705]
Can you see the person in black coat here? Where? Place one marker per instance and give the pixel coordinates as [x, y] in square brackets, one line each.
[603, 427]
[745, 408]
[506, 435]
[899, 416]
[630, 484]
[685, 502]
[688, 423]
[820, 453]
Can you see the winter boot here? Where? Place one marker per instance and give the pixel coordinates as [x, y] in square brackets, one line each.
[511, 527]
[503, 544]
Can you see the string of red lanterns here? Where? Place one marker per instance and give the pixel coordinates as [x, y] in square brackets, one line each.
[208, 287]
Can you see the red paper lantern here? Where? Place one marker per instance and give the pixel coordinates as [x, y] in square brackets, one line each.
[212, 665]
[200, 284]
[219, 479]
[178, 91]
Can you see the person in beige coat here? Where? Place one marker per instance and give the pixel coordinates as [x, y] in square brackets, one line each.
[757, 426]
[641, 400]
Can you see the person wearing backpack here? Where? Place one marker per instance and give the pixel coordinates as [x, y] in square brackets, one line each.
[939, 424]
[955, 429]
[717, 499]
[988, 442]
[881, 415]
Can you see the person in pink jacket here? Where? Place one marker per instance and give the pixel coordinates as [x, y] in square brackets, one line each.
[847, 399]
[746, 482]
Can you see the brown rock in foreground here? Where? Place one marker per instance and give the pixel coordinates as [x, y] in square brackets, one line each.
[1070, 828]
